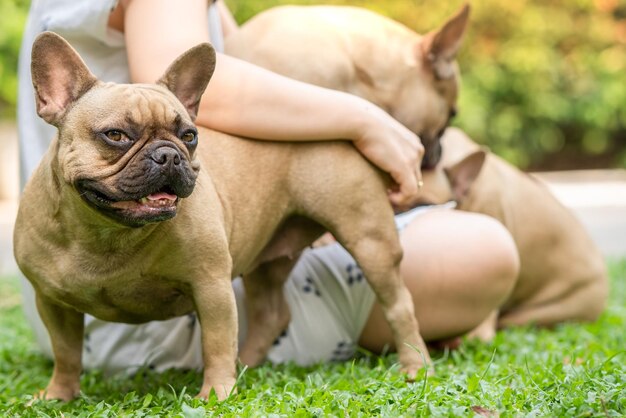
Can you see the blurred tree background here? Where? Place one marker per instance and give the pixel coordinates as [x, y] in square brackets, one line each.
[12, 20]
[544, 81]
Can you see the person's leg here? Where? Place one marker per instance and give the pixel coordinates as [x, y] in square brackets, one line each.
[459, 266]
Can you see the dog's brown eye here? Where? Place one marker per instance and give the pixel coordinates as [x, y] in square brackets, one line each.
[188, 136]
[116, 136]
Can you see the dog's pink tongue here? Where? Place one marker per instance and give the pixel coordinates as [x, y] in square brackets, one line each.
[162, 195]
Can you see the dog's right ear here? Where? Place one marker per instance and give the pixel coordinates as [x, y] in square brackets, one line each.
[462, 174]
[59, 76]
[188, 76]
[439, 47]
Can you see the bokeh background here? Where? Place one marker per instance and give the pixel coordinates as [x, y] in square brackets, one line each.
[544, 81]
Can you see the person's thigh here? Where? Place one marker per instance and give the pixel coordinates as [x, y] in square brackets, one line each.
[459, 267]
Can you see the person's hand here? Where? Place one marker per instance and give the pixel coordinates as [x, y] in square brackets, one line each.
[395, 150]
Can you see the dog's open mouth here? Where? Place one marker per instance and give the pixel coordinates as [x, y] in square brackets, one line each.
[153, 202]
[153, 207]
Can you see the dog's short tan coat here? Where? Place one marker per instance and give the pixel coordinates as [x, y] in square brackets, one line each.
[126, 220]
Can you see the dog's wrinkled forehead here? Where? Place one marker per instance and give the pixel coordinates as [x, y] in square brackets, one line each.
[117, 105]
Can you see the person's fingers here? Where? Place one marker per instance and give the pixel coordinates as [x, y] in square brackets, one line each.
[418, 164]
[407, 187]
[399, 152]
[409, 177]
[418, 176]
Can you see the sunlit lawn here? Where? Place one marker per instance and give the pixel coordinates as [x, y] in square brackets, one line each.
[574, 370]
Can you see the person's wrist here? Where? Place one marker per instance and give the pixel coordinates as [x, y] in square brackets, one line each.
[362, 120]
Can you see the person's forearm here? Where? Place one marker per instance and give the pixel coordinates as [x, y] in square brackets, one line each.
[246, 100]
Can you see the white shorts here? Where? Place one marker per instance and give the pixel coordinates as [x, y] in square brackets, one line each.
[329, 298]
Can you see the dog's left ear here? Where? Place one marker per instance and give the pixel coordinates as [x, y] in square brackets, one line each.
[59, 76]
[439, 47]
[463, 174]
[188, 76]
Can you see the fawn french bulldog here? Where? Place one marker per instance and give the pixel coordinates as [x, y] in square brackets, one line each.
[135, 214]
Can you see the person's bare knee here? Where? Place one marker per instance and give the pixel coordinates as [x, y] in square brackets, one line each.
[501, 265]
[474, 246]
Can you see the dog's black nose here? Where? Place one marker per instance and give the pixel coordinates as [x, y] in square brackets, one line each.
[166, 156]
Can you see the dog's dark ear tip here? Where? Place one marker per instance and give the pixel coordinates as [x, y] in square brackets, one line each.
[208, 49]
[47, 43]
[48, 37]
[205, 47]
[462, 16]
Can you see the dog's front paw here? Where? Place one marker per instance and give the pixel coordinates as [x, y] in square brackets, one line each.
[414, 359]
[413, 371]
[53, 392]
[222, 390]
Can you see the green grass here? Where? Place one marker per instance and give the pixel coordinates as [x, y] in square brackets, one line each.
[571, 371]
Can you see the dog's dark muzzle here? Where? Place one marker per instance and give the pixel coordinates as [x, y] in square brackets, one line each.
[432, 154]
[161, 167]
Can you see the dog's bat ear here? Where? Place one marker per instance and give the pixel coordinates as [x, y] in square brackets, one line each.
[439, 47]
[463, 174]
[188, 76]
[59, 76]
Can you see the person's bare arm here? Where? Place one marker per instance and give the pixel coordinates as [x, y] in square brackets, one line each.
[246, 100]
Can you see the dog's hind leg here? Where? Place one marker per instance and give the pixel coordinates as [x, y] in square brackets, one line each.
[583, 303]
[354, 207]
[267, 312]
[370, 236]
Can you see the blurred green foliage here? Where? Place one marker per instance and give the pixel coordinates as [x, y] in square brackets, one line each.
[544, 81]
[12, 19]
